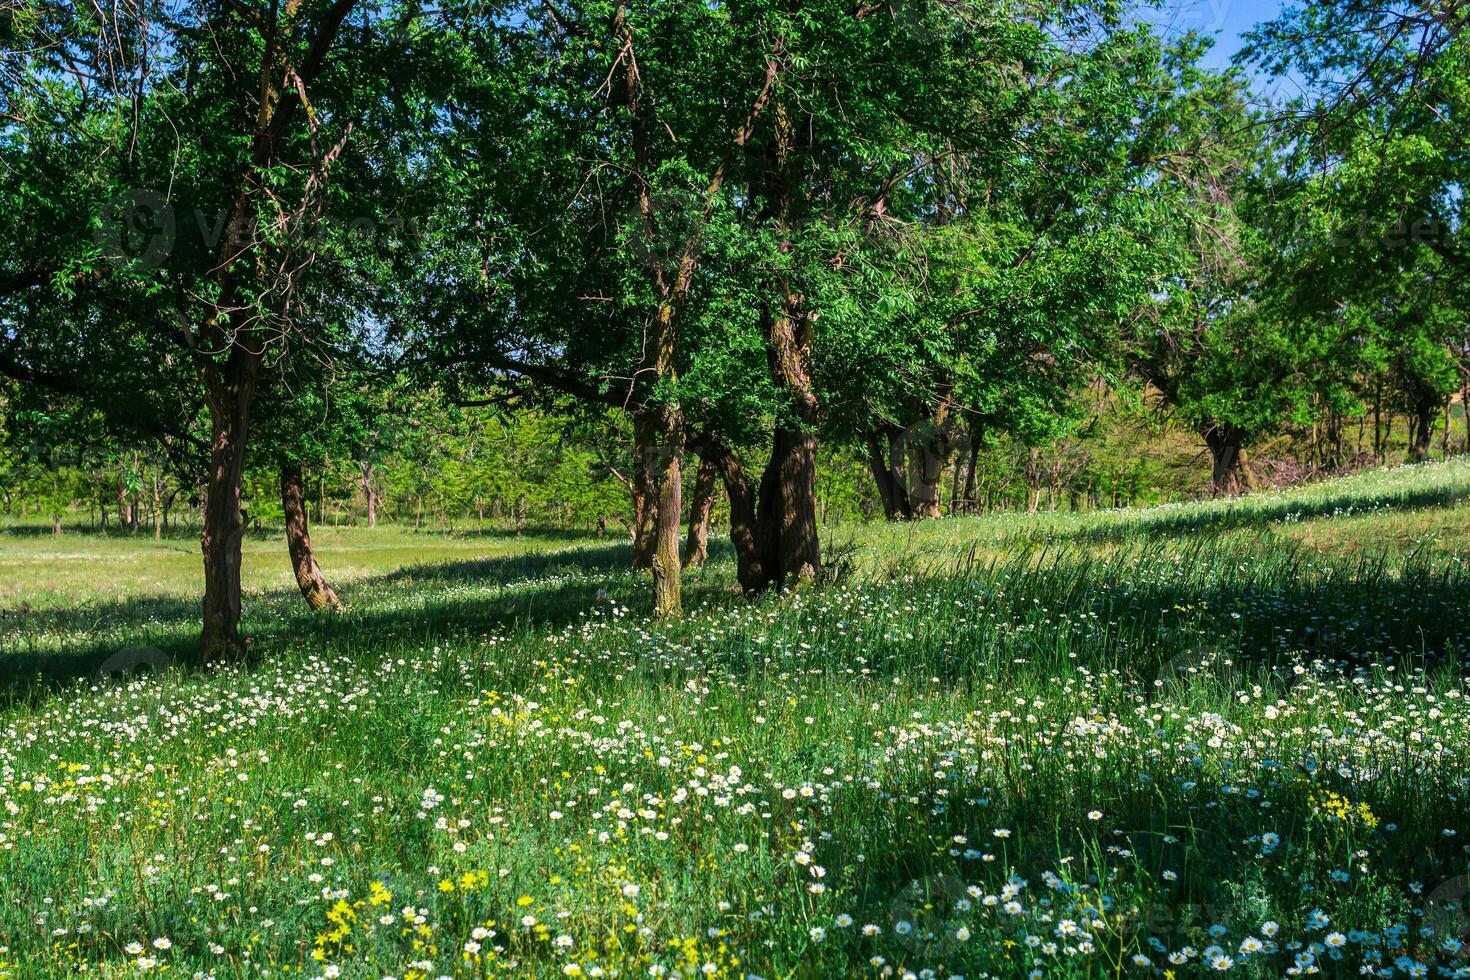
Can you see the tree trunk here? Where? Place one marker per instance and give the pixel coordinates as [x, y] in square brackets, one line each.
[122, 501]
[787, 507]
[928, 455]
[968, 501]
[696, 546]
[1423, 430]
[56, 525]
[644, 489]
[309, 579]
[1224, 442]
[1465, 413]
[667, 597]
[1031, 475]
[229, 405]
[954, 489]
[371, 497]
[786, 526]
[1377, 427]
[750, 567]
[887, 474]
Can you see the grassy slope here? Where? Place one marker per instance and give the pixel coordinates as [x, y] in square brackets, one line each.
[1150, 731]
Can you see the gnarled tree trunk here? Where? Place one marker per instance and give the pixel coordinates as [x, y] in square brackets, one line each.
[929, 454]
[696, 546]
[750, 567]
[1425, 412]
[1225, 443]
[787, 514]
[309, 579]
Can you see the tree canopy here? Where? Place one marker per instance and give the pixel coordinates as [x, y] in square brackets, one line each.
[540, 255]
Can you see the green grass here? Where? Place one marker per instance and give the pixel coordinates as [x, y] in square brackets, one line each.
[1065, 743]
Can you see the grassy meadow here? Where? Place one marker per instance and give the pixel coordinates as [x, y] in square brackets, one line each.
[1226, 737]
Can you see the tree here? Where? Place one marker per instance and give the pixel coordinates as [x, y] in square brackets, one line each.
[694, 225]
[1378, 135]
[1216, 343]
[241, 116]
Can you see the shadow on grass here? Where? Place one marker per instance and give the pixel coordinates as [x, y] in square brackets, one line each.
[468, 599]
[268, 531]
[1230, 610]
[1253, 512]
[921, 890]
[1151, 611]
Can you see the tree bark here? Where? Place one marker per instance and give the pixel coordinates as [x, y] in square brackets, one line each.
[667, 593]
[968, 503]
[1031, 476]
[1227, 465]
[928, 455]
[229, 409]
[1465, 413]
[232, 326]
[122, 500]
[886, 465]
[787, 514]
[643, 488]
[309, 578]
[1425, 412]
[370, 495]
[696, 546]
[773, 526]
[750, 568]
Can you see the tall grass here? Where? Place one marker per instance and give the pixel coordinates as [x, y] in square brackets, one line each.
[1169, 741]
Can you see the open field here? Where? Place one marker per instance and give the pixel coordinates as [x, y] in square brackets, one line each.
[1218, 737]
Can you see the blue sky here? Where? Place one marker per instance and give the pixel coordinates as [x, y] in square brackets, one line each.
[1226, 20]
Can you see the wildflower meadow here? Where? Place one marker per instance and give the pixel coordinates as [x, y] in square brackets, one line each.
[1218, 738]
